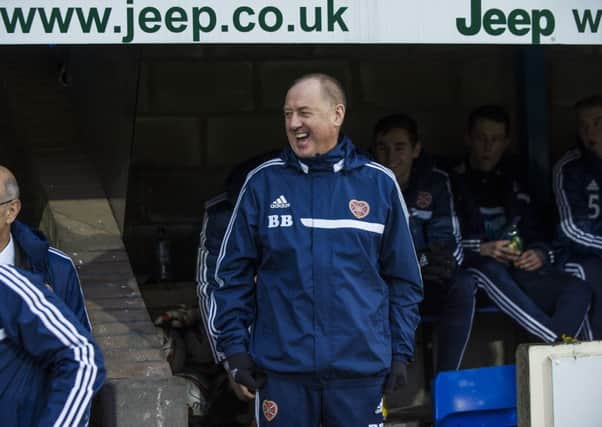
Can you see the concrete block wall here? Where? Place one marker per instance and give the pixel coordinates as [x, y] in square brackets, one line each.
[573, 73]
[236, 94]
[78, 219]
[102, 90]
[204, 109]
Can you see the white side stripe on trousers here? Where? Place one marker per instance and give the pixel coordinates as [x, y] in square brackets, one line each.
[513, 310]
[577, 270]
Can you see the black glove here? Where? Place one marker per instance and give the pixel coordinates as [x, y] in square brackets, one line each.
[438, 264]
[244, 371]
[398, 377]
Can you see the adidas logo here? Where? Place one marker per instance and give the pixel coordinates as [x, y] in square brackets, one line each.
[280, 202]
[593, 186]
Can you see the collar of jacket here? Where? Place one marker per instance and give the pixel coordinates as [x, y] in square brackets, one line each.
[32, 246]
[591, 158]
[342, 157]
[497, 171]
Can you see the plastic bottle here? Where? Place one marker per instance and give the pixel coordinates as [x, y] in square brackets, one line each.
[512, 234]
[163, 256]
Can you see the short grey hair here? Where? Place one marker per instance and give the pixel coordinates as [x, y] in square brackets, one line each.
[331, 88]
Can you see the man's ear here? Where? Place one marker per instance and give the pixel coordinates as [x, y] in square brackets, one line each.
[339, 115]
[417, 150]
[13, 211]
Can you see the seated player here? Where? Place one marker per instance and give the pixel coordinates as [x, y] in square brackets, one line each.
[494, 211]
[577, 183]
[448, 293]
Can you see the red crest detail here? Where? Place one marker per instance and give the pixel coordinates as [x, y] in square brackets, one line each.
[359, 208]
[424, 199]
[270, 409]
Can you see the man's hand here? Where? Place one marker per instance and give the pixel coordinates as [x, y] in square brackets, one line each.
[241, 392]
[500, 251]
[530, 260]
[245, 375]
[398, 377]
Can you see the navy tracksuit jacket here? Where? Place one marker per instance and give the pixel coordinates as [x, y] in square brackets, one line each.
[578, 192]
[50, 266]
[337, 282]
[218, 211]
[545, 302]
[50, 366]
[433, 221]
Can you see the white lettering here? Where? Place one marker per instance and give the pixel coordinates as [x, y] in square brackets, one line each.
[273, 221]
[286, 220]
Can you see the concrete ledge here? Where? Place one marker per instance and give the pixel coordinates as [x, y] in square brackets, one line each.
[142, 402]
[77, 217]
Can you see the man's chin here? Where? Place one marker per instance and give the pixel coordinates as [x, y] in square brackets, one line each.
[303, 151]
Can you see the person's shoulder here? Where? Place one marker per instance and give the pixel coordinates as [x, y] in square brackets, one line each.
[217, 202]
[458, 173]
[458, 176]
[18, 281]
[59, 259]
[438, 182]
[217, 213]
[439, 176]
[569, 161]
[267, 168]
[379, 172]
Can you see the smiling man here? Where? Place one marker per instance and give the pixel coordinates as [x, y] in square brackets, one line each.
[314, 301]
[577, 183]
[312, 125]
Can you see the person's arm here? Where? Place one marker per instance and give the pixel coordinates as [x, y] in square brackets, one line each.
[400, 269]
[578, 210]
[74, 295]
[443, 228]
[213, 229]
[232, 300]
[35, 319]
[469, 219]
[471, 223]
[217, 215]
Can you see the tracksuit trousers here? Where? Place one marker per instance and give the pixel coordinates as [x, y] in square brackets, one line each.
[590, 270]
[547, 303]
[307, 401]
[453, 304]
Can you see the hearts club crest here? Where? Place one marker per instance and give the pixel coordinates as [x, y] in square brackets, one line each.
[424, 199]
[270, 409]
[359, 208]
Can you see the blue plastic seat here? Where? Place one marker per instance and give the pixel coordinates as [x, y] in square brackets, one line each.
[484, 397]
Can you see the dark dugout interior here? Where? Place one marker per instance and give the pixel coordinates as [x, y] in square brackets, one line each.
[164, 124]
